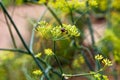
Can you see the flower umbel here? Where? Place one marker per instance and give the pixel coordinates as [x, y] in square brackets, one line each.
[37, 72]
[105, 77]
[72, 30]
[99, 76]
[41, 24]
[107, 62]
[93, 3]
[57, 32]
[48, 52]
[98, 57]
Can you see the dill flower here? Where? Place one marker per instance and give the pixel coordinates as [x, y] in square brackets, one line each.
[66, 5]
[82, 5]
[37, 72]
[44, 32]
[102, 4]
[98, 57]
[107, 62]
[72, 30]
[43, 29]
[105, 77]
[78, 61]
[98, 76]
[93, 3]
[56, 32]
[41, 24]
[48, 52]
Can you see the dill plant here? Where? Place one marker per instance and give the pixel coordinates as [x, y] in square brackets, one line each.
[60, 32]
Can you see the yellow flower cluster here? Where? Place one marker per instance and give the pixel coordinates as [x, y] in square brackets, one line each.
[37, 72]
[98, 57]
[67, 5]
[48, 52]
[93, 3]
[71, 30]
[99, 76]
[116, 5]
[44, 29]
[78, 61]
[105, 61]
[57, 32]
[103, 4]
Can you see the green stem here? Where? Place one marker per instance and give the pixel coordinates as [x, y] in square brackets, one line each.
[47, 71]
[56, 58]
[43, 62]
[71, 14]
[98, 65]
[109, 14]
[14, 50]
[33, 31]
[83, 74]
[90, 24]
[53, 13]
[57, 73]
[76, 75]
[78, 19]
[85, 57]
[91, 30]
[87, 61]
[40, 66]
[32, 40]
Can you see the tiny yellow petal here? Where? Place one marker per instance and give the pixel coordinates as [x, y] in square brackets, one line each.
[38, 55]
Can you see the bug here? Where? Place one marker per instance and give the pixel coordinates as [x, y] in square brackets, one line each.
[64, 31]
